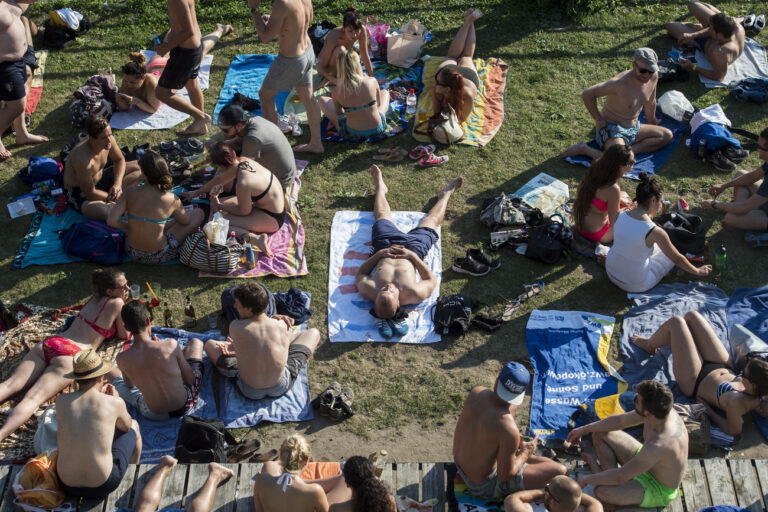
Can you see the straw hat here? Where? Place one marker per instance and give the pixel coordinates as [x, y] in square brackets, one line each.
[88, 365]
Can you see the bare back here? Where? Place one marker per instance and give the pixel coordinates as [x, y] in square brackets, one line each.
[364, 119]
[149, 202]
[13, 37]
[83, 334]
[296, 17]
[299, 496]
[626, 97]
[669, 447]
[261, 346]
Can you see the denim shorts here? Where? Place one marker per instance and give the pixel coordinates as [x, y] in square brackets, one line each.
[616, 131]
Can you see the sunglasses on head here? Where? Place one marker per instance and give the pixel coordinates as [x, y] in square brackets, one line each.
[547, 491]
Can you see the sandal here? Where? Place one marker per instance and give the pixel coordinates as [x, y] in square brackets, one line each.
[421, 151]
[244, 449]
[343, 406]
[531, 290]
[327, 398]
[432, 160]
[265, 457]
[509, 310]
[394, 154]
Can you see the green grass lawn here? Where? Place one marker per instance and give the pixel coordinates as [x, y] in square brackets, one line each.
[551, 59]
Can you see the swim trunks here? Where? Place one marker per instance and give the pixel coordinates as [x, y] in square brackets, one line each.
[183, 65]
[617, 131]
[123, 444]
[386, 234]
[134, 397]
[30, 59]
[12, 77]
[167, 253]
[348, 132]
[492, 487]
[75, 197]
[656, 495]
[285, 73]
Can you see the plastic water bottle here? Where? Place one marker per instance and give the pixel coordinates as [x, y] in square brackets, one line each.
[250, 257]
[721, 258]
[374, 48]
[410, 103]
[232, 238]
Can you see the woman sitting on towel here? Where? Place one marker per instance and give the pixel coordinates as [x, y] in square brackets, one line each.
[350, 32]
[155, 222]
[357, 106]
[704, 371]
[642, 253]
[600, 198]
[140, 77]
[456, 80]
[368, 492]
[258, 206]
[40, 375]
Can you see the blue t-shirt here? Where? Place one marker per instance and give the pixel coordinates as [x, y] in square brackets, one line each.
[763, 190]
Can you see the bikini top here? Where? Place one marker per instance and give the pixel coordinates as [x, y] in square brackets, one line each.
[722, 389]
[371, 103]
[599, 204]
[107, 333]
[285, 480]
[136, 217]
[256, 199]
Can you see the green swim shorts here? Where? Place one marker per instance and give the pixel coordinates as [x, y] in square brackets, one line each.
[656, 495]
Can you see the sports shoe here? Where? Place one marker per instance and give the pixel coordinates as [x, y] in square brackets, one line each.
[735, 154]
[385, 328]
[483, 257]
[470, 266]
[432, 160]
[343, 406]
[399, 327]
[328, 398]
[720, 162]
[421, 151]
[285, 126]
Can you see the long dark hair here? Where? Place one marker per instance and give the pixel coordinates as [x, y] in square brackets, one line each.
[603, 172]
[105, 279]
[370, 494]
[352, 19]
[155, 169]
[647, 189]
[222, 155]
[453, 79]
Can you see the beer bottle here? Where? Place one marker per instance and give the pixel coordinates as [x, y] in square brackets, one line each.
[189, 313]
[167, 315]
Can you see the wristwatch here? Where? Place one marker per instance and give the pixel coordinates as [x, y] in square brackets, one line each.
[253, 10]
[714, 202]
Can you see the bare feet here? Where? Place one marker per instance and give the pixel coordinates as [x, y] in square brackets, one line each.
[260, 242]
[378, 179]
[198, 127]
[30, 139]
[466, 13]
[225, 29]
[580, 148]
[219, 472]
[4, 153]
[309, 148]
[643, 343]
[452, 187]
[166, 461]
[476, 15]
[591, 462]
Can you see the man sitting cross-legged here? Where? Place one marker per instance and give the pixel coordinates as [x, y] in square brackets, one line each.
[561, 494]
[397, 257]
[488, 449]
[650, 472]
[263, 355]
[156, 376]
[96, 436]
[625, 95]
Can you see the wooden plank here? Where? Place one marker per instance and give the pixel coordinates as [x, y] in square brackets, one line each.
[248, 473]
[433, 484]
[224, 501]
[695, 494]
[408, 479]
[144, 473]
[676, 505]
[761, 466]
[173, 491]
[8, 505]
[91, 505]
[5, 471]
[121, 497]
[719, 480]
[198, 474]
[388, 476]
[746, 485]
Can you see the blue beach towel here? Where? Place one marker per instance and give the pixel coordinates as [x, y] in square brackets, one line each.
[646, 162]
[568, 350]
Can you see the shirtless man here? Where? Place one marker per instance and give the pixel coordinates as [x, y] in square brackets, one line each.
[293, 66]
[13, 74]
[183, 41]
[650, 473]
[155, 376]
[95, 172]
[626, 95]
[718, 35]
[488, 449]
[397, 257]
[561, 494]
[270, 356]
[96, 436]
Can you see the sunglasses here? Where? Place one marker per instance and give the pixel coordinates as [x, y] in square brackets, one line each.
[644, 71]
[549, 493]
[226, 129]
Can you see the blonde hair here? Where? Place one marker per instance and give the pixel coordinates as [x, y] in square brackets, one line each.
[294, 453]
[349, 73]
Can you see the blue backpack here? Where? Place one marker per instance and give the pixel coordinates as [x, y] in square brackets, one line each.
[94, 241]
[40, 168]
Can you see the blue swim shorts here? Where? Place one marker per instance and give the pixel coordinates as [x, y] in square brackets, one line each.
[616, 131]
[418, 240]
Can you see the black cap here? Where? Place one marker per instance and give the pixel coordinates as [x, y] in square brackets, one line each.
[231, 115]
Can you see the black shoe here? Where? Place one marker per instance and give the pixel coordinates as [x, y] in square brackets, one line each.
[735, 154]
[469, 266]
[483, 257]
[487, 323]
[720, 162]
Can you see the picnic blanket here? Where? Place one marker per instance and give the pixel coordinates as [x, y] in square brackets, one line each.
[488, 110]
[348, 313]
[750, 64]
[165, 117]
[287, 243]
[245, 75]
[36, 86]
[645, 162]
[568, 350]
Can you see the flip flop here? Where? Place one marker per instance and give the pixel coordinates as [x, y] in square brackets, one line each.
[395, 154]
[244, 449]
[264, 457]
[531, 290]
[509, 309]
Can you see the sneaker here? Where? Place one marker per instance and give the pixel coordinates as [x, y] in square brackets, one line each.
[343, 406]
[400, 327]
[720, 163]
[469, 266]
[385, 328]
[483, 257]
[328, 398]
[285, 126]
[432, 160]
[421, 151]
[735, 154]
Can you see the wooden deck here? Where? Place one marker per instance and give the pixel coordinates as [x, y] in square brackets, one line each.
[708, 482]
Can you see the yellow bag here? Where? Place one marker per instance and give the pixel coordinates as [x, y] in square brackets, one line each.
[37, 486]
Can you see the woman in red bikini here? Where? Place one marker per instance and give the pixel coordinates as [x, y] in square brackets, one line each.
[599, 198]
[40, 375]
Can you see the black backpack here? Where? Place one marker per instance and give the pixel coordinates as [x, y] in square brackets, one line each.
[548, 238]
[317, 34]
[453, 313]
[202, 440]
[687, 232]
[671, 71]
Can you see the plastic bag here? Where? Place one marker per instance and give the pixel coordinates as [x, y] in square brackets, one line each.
[216, 230]
[675, 105]
[404, 47]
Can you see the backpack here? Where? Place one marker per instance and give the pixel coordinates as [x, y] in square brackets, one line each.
[37, 486]
[442, 128]
[93, 240]
[317, 34]
[548, 239]
[671, 71]
[40, 168]
[228, 310]
[686, 231]
[750, 89]
[453, 313]
[505, 211]
[202, 440]
[56, 36]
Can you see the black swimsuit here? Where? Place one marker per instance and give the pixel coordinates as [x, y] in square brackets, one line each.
[279, 217]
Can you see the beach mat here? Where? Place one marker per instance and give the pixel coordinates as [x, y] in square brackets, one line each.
[568, 350]
[645, 162]
[165, 117]
[750, 64]
[245, 75]
[36, 86]
[348, 313]
[287, 243]
[488, 111]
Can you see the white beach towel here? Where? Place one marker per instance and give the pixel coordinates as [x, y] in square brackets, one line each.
[750, 64]
[348, 313]
[165, 117]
